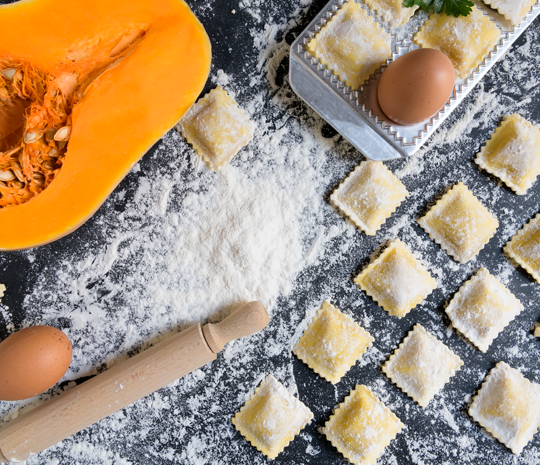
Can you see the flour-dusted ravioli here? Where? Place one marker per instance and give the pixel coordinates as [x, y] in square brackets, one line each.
[216, 127]
[352, 45]
[482, 308]
[396, 280]
[513, 10]
[332, 343]
[536, 329]
[513, 153]
[466, 40]
[271, 418]
[460, 224]
[422, 365]
[361, 427]
[392, 11]
[524, 247]
[369, 195]
[508, 406]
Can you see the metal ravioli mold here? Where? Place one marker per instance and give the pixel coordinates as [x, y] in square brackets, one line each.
[355, 114]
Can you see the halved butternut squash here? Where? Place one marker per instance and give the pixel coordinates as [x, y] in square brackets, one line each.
[125, 71]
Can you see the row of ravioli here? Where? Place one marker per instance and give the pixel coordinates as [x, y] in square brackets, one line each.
[396, 14]
[507, 405]
[362, 426]
[353, 46]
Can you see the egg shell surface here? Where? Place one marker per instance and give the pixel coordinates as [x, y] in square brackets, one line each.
[416, 86]
[32, 360]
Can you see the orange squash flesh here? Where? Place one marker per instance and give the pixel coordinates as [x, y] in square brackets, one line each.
[124, 111]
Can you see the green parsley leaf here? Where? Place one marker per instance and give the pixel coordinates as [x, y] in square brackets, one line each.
[449, 7]
[438, 6]
[458, 7]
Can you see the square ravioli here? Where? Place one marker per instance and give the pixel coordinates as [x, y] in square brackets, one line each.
[460, 224]
[396, 280]
[508, 406]
[361, 427]
[513, 10]
[482, 308]
[513, 153]
[332, 343]
[524, 247]
[422, 365]
[369, 195]
[466, 40]
[216, 127]
[536, 329]
[392, 11]
[352, 45]
[271, 418]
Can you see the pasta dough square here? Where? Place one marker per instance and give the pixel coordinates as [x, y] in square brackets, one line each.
[482, 308]
[396, 280]
[513, 153]
[513, 10]
[536, 329]
[271, 418]
[466, 40]
[216, 127]
[422, 365]
[369, 195]
[332, 343]
[362, 426]
[352, 45]
[460, 224]
[524, 247]
[392, 11]
[508, 406]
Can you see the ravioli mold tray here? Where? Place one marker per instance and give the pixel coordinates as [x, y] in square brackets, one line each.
[353, 113]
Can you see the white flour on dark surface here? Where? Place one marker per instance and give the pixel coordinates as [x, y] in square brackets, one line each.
[177, 244]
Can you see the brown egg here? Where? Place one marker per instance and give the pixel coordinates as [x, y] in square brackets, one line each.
[32, 360]
[416, 86]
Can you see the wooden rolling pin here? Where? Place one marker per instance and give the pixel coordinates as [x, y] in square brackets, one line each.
[124, 384]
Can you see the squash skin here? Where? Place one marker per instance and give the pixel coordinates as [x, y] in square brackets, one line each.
[124, 111]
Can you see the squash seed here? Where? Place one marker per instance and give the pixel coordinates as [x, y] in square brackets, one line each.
[7, 175]
[62, 134]
[30, 137]
[49, 135]
[8, 73]
[3, 184]
[18, 184]
[61, 144]
[17, 172]
[38, 178]
[53, 153]
[48, 165]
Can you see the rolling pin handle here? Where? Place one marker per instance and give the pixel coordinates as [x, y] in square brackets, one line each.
[247, 320]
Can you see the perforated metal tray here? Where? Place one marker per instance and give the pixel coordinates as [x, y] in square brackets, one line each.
[350, 112]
